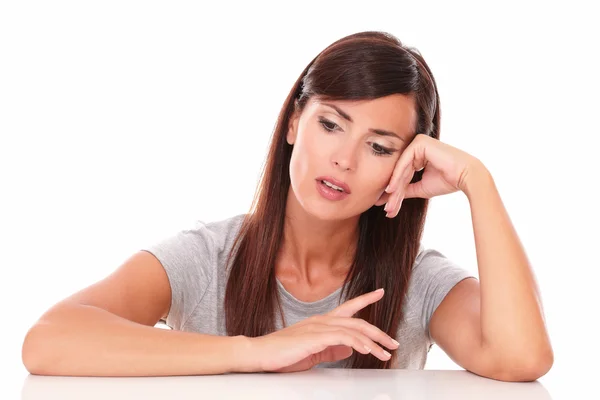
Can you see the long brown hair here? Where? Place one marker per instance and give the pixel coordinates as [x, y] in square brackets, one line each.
[360, 66]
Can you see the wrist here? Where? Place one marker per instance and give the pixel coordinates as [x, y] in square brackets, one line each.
[246, 360]
[478, 178]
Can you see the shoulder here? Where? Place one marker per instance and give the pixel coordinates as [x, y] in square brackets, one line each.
[222, 230]
[197, 244]
[208, 234]
[191, 257]
[431, 265]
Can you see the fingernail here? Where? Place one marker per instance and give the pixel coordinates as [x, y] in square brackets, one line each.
[379, 290]
[368, 349]
[395, 342]
[386, 353]
[387, 189]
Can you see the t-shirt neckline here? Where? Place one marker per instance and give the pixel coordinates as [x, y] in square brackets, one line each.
[316, 303]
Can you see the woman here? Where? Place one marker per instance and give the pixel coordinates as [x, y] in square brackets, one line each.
[292, 284]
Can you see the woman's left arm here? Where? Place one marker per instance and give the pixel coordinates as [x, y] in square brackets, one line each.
[512, 320]
[495, 326]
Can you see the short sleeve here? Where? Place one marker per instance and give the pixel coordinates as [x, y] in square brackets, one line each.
[188, 257]
[433, 276]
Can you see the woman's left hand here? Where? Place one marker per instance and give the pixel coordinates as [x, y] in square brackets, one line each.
[446, 170]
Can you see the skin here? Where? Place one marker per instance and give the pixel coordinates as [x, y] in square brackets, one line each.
[320, 235]
[493, 326]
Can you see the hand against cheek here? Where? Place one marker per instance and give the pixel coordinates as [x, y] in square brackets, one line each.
[446, 168]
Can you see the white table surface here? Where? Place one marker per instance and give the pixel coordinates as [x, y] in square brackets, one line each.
[319, 383]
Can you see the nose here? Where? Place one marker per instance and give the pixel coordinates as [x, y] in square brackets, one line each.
[345, 156]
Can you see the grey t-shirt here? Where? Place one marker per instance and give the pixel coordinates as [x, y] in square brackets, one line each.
[194, 260]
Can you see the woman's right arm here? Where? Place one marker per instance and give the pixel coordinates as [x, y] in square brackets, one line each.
[107, 329]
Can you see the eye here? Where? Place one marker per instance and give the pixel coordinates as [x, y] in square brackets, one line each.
[382, 150]
[327, 125]
[376, 149]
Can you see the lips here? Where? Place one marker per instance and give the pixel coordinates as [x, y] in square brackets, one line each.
[335, 182]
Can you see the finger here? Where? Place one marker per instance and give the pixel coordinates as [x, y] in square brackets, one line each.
[363, 326]
[396, 196]
[334, 353]
[413, 158]
[401, 191]
[359, 341]
[352, 306]
[415, 190]
[400, 169]
[397, 208]
[399, 197]
[326, 337]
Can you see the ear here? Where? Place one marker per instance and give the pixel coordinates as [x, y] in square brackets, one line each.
[293, 128]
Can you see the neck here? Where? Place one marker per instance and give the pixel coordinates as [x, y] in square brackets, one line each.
[313, 249]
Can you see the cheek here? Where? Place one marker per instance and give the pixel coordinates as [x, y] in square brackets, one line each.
[311, 155]
[317, 146]
[376, 176]
[310, 151]
[302, 161]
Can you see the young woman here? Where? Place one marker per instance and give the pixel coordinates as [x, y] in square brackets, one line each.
[339, 213]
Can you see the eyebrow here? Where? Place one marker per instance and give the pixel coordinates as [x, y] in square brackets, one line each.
[347, 117]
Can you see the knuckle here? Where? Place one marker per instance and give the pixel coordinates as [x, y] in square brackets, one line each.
[318, 318]
[345, 333]
[368, 327]
[363, 323]
[340, 331]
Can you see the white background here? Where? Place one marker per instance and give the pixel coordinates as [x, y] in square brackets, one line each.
[121, 121]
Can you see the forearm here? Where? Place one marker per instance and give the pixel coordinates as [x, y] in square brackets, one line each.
[82, 340]
[512, 321]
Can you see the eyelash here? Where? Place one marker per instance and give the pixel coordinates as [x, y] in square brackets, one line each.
[384, 151]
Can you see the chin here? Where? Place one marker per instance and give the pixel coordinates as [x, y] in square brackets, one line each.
[324, 213]
[333, 211]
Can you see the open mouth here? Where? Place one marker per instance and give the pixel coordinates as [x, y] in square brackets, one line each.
[332, 186]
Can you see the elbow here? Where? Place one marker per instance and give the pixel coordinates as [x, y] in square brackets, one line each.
[27, 353]
[526, 369]
[32, 354]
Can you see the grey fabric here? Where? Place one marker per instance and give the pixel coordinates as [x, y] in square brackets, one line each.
[194, 260]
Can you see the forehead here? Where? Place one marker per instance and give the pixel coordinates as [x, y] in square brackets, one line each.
[396, 112]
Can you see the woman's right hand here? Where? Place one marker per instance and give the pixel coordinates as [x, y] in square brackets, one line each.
[321, 338]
